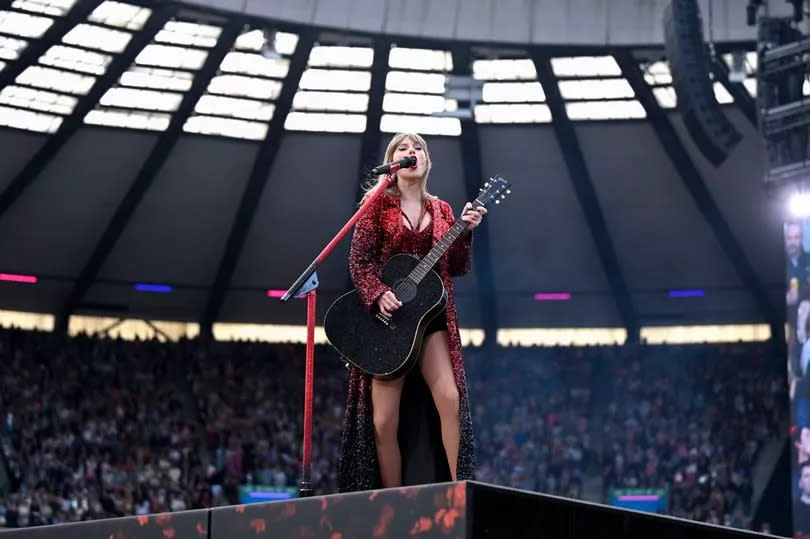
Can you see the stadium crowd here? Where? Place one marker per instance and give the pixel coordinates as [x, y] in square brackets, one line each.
[96, 427]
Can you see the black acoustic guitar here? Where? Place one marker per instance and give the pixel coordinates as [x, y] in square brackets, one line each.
[388, 346]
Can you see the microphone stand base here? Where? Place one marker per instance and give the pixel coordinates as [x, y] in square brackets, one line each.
[305, 489]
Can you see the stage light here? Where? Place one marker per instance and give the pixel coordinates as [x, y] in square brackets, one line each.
[16, 278]
[694, 293]
[799, 205]
[160, 288]
[552, 296]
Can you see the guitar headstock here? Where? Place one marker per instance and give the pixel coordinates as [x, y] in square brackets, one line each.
[494, 190]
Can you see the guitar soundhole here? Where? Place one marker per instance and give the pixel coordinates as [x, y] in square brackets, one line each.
[405, 290]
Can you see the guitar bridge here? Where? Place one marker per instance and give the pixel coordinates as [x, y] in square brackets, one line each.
[384, 319]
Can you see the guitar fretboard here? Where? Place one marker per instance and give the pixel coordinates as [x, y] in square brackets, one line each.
[427, 263]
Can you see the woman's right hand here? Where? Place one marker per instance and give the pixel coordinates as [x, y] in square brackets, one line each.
[388, 303]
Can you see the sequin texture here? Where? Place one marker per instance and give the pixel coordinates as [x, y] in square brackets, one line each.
[378, 235]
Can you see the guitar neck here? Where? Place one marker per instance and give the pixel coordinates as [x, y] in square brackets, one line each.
[439, 249]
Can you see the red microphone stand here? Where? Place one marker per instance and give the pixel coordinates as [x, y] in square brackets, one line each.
[307, 284]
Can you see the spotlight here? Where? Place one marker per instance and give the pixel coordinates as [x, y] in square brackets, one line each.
[799, 205]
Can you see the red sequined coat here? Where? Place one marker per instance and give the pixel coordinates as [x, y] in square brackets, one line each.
[377, 236]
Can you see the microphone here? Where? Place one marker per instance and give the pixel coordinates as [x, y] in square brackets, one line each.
[405, 162]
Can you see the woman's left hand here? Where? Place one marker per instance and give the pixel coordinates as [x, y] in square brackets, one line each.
[473, 216]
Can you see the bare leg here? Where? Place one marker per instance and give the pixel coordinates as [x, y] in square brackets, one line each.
[437, 371]
[385, 396]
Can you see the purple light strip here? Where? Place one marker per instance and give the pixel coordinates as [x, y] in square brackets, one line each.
[552, 296]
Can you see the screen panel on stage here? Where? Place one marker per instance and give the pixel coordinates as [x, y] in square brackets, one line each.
[179, 525]
[649, 500]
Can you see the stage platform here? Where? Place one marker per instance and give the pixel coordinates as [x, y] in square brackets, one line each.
[466, 509]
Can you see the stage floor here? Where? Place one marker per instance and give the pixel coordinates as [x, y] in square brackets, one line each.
[465, 509]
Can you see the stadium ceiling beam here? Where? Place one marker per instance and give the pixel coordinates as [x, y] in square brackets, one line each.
[145, 178]
[79, 13]
[473, 179]
[71, 123]
[262, 166]
[742, 99]
[586, 194]
[370, 147]
[696, 186]
[372, 136]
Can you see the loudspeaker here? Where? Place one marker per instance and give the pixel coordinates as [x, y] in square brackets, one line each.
[689, 64]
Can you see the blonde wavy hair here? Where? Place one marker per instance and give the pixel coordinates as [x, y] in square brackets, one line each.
[393, 189]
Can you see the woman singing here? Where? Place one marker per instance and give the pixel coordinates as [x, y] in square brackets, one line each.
[415, 429]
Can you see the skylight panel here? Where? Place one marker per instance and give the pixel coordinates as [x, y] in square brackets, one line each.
[187, 33]
[121, 15]
[721, 94]
[585, 66]
[134, 119]
[285, 43]
[158, 79]
[514, 92]
[751, 85]
[253, 40]
[420, 59]
[76, 59]
[429, 83]
[247, 109]
[29, 120]
[239, 86]
[416, 103]
[334, 79]
[342, 101]
[329, 56]
[255, 64]
[10, 48]
[518, 113]
[429, 125]
[666, 97]
[605, 110]
[519, 69]
[97, 37]
[750, 61]
[55, 8]
[23, 25]
[170, 56]
[658, 73]
[141, 99]
[40, 100]
[228, 127]
[595, 89]
[54, 79]
[313, 121]
[273, 43]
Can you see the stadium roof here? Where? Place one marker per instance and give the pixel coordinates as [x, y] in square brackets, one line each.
[179, 163]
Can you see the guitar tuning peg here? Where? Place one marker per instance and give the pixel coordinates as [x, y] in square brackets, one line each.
[508, 191]
[497, 202]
